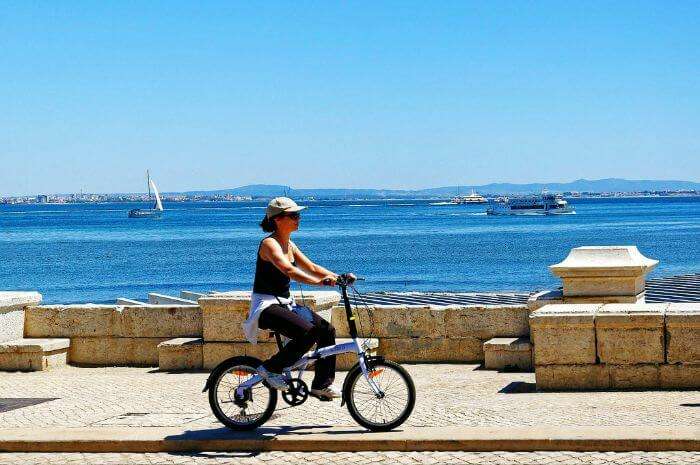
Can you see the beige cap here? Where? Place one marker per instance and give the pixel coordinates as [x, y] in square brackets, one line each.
[280, 205]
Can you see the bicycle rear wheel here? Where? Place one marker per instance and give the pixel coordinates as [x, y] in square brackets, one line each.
[391, 407]
[245, 412]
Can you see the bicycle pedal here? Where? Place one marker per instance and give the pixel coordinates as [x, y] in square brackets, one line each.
[322, 398]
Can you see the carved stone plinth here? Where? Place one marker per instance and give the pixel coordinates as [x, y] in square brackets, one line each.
[593, 273]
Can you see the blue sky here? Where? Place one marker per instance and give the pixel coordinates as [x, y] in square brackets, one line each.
[345, 94]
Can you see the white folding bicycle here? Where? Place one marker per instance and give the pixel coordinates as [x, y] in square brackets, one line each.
[380, 394]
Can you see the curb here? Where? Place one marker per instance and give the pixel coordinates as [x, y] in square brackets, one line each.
[352, 439]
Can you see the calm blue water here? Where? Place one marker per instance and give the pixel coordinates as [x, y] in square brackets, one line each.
[81, 253]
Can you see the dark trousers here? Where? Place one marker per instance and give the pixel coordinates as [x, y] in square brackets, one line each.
[303, 335]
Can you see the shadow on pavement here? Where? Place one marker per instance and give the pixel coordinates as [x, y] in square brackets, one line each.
[262, 433]
[519, 387]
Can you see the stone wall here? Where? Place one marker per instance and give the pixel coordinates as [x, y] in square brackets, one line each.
[409, 333]
[223, 315]
[111, 335]
[12, 306]
[616, 346]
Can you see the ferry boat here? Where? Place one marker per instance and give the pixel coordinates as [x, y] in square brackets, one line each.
[543, 204]
[157, 209]
[465, 199]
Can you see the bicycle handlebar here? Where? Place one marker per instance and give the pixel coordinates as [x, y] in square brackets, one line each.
[343, 280]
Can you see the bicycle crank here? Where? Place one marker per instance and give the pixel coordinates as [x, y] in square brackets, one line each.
[297, 393]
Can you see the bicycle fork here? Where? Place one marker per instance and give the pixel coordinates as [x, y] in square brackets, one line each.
[368, 375]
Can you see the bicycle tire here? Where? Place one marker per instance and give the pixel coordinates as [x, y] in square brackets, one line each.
[355, 375]
[218, 373]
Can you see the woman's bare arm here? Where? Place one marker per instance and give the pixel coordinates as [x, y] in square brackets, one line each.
[307, 265]
[272, 252]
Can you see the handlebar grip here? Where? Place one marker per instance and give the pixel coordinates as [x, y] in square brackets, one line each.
[344, 281]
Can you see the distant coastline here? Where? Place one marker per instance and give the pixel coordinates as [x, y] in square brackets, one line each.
[107, 198]
[582, 188]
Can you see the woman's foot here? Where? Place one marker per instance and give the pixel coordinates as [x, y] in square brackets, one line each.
[275, 380]
[326, 394]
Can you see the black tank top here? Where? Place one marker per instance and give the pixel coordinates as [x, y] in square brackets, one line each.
[269, 279]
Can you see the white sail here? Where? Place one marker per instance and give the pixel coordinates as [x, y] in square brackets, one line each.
[159, 205]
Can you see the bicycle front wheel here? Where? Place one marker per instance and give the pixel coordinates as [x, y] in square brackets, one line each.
[388, 409]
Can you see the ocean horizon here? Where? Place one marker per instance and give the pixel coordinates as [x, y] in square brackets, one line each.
[74, 253]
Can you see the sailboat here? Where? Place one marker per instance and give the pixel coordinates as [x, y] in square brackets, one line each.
[157, 210]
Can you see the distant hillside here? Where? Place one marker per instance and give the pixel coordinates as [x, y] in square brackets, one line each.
[580, 185]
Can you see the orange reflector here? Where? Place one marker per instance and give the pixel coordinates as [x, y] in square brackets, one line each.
[375, 373]
[240, 372]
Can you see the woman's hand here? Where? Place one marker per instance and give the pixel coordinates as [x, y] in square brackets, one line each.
[329, 280]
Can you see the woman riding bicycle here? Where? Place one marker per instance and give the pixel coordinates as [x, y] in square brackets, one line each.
[272, 307]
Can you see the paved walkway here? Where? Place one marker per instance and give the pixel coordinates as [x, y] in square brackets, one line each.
[447, 395]
[360, 458]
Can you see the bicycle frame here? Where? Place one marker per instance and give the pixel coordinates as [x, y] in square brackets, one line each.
[325, 352]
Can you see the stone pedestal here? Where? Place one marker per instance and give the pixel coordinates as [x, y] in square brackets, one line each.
[597, 274]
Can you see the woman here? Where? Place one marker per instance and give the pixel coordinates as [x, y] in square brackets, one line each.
[278, 261]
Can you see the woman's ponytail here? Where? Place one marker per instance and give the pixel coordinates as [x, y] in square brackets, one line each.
[268, 225]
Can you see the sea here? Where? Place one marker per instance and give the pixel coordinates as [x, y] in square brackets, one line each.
[79, 253]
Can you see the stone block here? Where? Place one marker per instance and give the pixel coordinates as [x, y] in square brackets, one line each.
[607, 299]
[683, 333]
[315, 300]
[564, 334]
[155, 298]
[223, 316]
[16, 300]
[679, 376]
[183, 353]
[161, 321]
[424, 349]
[73, 321]
[115, 351]
[604, 286]
[572, 377]
[392, 321]
[634, 376]
[603, 271]
[487, 321]
[11, 324]
[508, 353]
[629, 334]
[217, 352]
[191, 295]
[33, 354]
[540, 299]
[224, 313]
[12, 305]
